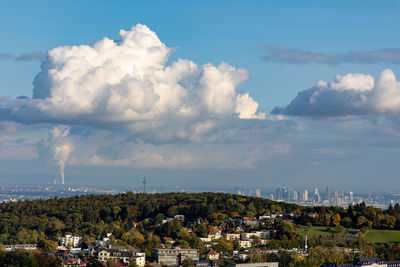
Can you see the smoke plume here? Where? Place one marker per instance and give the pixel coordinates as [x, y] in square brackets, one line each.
[61, 147]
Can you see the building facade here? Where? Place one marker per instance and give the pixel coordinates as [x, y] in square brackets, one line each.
[126, 255]
[174, 256]
[70, 241]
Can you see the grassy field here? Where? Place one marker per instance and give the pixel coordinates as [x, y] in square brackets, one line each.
[382, 236]
[372, 236]
[320, 230]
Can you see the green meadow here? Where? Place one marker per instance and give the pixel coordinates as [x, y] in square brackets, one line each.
[320, 230]
[382, 236]
[372, 236]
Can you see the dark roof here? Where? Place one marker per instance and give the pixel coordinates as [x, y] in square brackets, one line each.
[329, 264]
[392, 263]
[332, 264]
[368, 260]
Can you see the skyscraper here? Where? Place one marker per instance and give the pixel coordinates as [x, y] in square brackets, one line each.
[328, 194]
[336, 194]
[305, 195]
[295, 196]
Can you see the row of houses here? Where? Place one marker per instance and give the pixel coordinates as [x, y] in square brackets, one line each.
[245, 240]
[123, 256]
[21, 247]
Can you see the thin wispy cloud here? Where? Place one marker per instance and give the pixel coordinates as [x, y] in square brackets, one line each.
[30, 56]
[6, 56]
[278, 53]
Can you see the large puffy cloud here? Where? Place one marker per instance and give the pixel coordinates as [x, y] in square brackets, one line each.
[351, 94]
[128, 84]
[122, 103]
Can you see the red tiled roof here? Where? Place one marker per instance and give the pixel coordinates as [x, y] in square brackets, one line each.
[212, 252]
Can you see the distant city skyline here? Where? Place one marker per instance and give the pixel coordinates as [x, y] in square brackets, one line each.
[311, 196]
[191, 93]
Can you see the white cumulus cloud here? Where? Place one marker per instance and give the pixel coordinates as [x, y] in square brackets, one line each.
[128, 84]
[123, 103]
[351, 94]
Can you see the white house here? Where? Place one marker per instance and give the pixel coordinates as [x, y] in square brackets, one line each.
[121, 253]
[245, 243]
[180, 218]
[212, 255]
[70, 241]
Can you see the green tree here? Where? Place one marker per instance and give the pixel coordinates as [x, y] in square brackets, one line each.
[336, 220]
[94, 262]
[187, 262]
[17, 259]
[48, 245]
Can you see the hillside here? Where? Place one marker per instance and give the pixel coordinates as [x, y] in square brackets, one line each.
[93, 215]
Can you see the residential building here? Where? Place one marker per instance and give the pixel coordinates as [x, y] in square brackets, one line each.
[120, 253]
[247, 236]
[212, 255]
[21, 247]
[180, 218]
[70, 241]
[243, 255]
[231, 236]
[102, 242]
[174, 256]
[245, 243]
[204, 263]
[74, 262]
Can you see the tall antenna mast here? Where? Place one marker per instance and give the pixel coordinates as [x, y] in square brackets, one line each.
[144, 184]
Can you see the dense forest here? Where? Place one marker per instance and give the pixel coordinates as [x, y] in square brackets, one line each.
[95, 215]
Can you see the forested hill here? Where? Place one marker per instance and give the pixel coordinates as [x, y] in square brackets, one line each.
[138, 219]
[27, 221]
[137, 207]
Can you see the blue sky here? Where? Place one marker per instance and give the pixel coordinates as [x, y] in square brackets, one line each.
[356, 142]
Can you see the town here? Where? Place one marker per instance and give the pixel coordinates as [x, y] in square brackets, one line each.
[193, 229]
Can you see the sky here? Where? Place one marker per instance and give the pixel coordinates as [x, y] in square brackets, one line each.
[192, 93]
